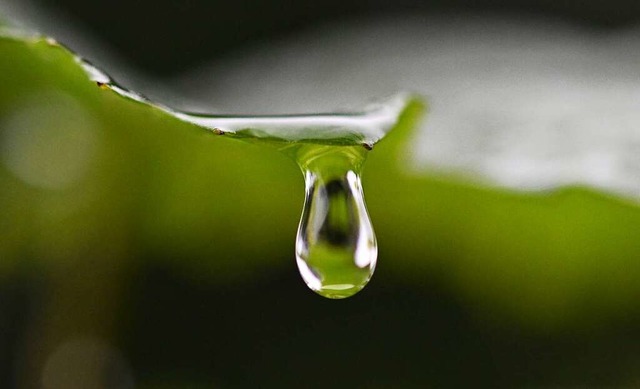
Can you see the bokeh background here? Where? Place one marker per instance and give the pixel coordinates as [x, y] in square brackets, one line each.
[139, 252]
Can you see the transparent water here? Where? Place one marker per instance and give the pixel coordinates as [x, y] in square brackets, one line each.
[336, 247]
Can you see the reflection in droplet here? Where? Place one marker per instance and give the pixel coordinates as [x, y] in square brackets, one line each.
[336, 248]
[49, 141]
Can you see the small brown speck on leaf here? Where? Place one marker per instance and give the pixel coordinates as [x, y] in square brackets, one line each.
[367, 146]
[102, 85]
[218, 131]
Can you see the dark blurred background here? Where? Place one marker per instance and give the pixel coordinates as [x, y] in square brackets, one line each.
[164, 37]
[258, 326]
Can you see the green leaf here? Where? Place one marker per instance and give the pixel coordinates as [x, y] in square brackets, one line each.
[148, 169]
[341, 129]
[149, 184]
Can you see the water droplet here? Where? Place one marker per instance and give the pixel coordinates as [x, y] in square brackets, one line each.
[336, 248]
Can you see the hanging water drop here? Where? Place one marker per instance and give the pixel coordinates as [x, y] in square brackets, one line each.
[336, 248]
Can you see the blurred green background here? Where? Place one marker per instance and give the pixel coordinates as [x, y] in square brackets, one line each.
[137, 251]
